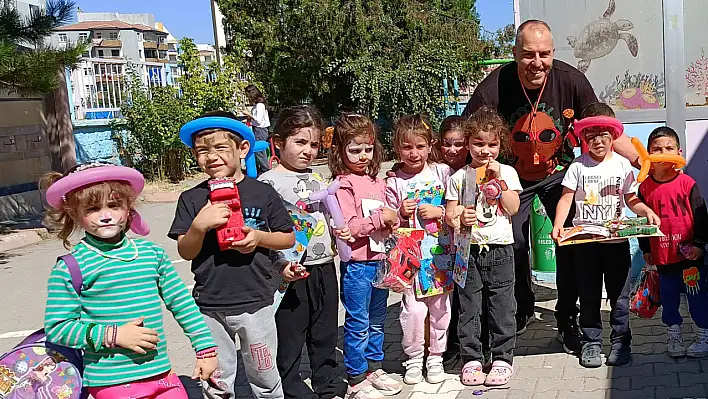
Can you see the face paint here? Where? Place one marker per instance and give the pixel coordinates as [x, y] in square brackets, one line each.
[358, 153]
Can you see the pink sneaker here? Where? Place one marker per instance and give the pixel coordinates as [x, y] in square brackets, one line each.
[384, 383]
[363, 390]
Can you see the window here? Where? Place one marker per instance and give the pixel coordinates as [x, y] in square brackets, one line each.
[87, 71]
[113, 35]
[100, 53]
[140, 53]
[83, 36]
[62, 38]
[33, 9]
[115, 53]
[98, 35]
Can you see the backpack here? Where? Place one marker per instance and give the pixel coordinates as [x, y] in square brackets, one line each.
[37, 368]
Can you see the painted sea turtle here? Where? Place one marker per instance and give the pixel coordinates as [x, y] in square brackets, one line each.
[599, 38]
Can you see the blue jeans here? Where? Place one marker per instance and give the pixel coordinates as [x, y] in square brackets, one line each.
[365, 308]
[672, 284]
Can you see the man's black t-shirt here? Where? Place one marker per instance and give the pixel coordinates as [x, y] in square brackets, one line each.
[539, 144]
[229, 281]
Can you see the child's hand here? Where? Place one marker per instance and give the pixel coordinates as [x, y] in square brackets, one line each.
[493, 169]
[294, 271]
[204, 368]
[556, 233]
[389, 216]
[211, 216]
[408, 207]
[249, 243]
[647, 258]
[134, 336]
[696, 253]
[344, 234]
[469, 216]
[430, 212]
[653, 218]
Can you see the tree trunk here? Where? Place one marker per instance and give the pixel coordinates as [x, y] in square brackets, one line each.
[58, 128]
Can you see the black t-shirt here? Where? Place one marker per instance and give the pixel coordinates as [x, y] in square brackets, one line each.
[229, 281]
[539, 144]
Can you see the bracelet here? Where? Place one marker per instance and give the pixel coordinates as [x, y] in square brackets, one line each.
[89, 338]
[207, 353]
[115, 336]
[105, 338]
[442, 207]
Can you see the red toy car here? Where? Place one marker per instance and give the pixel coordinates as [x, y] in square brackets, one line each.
[224, 191]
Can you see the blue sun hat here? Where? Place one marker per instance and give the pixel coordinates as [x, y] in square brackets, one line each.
[226, 121]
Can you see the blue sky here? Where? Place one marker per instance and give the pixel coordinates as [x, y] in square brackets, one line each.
[192, 18]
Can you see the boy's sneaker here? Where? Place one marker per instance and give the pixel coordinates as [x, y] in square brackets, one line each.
[619, 355]
[569, 336]
[363, 390]
[451, 355]
[590, 355]
[384, 383]
[435, 373]
[675, 346]
[699, 347]
[522, 322]
[414, 371]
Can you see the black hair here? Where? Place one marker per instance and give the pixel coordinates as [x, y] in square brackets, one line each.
[597, 109]
[663, 131]
[254, 95]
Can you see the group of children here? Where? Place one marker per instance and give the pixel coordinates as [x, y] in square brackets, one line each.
[116, 318]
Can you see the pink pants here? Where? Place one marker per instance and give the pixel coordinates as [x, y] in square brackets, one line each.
[163, 386]
[412, 319]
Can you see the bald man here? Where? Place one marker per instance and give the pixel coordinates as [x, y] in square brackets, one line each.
[539, 97]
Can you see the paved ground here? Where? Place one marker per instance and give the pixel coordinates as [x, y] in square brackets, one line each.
[542, 369]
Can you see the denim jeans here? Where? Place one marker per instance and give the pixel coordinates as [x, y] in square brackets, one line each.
[365, 308]
[672, 283]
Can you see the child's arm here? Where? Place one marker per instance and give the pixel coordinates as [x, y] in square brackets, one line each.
[509, 199]
[644, 242]
[562, 209]
[361, 227]
[394, 200]
[190, 229]
[641, 209]
[700, 221]
[281, 235]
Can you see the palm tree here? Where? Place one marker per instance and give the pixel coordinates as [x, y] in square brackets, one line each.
[28, 64]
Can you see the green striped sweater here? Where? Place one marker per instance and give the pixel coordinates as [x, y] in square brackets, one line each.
[116, 292]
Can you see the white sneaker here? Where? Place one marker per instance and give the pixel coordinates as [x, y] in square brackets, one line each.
[414, 371]
[435, 371]
[384, 383]
[675, 346]
[699, 347]
[363, 390]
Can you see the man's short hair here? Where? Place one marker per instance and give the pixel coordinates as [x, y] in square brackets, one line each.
[532, 24]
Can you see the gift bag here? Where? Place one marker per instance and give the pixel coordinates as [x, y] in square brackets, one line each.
[397, 272]
[646, 298]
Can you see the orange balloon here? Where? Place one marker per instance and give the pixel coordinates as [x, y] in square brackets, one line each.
[646, 159]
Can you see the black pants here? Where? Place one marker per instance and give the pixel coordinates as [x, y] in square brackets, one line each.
[611, 262]
[549, 191]
[308, 315]
[490, 284]
[262, 162]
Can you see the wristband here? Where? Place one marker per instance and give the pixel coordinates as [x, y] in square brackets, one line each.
[115, 336]
[207, 353]
[442, 207]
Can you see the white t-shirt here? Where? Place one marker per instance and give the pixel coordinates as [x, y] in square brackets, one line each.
[493, 224]
[260, 116]
[599, 188]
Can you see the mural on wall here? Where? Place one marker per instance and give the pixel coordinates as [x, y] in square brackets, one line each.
[697, 82]
[635, 91]
[599, 38]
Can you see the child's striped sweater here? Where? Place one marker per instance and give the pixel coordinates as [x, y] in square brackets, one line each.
[117, 291]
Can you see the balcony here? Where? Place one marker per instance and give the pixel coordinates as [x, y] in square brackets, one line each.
[163, 47]
[110, 43]
[149, 44]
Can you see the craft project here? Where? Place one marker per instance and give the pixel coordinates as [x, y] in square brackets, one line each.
[463, 234]
[617, 229]
[304, 228]
[328, 197]
[646, 159]
[435, 274]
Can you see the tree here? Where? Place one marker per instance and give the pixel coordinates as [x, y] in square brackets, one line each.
[380, 57]
[28, 66]
[502, 42]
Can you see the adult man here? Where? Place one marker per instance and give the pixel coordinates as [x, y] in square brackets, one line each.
[540, 97]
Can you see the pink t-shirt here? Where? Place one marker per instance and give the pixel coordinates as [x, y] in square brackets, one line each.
[354, 190]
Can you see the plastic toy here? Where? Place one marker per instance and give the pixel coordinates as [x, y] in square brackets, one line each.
[403, 261]
[646, 159]
[224, 191]
[645, 298]
[328, 197]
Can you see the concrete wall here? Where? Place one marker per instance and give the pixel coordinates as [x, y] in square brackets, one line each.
[94, 141]
[131, 45]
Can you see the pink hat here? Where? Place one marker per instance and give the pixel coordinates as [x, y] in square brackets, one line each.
[88, 174]
[605, 121]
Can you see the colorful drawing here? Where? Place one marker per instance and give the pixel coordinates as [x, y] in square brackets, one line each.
[29, 373]
[463, 235]
[697, 82]
[691, 277]
[635, 91]
[304, 228]
[435, 274]
[600, 37]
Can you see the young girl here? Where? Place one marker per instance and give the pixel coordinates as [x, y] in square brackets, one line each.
[355, 159]
[308, 311]
[260, 121]
[422, 180]
[490, 277]
[117, 317]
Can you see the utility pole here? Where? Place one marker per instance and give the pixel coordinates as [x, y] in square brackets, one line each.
[219, 34]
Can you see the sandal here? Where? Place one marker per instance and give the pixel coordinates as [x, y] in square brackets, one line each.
[472, 374]
[500, 374]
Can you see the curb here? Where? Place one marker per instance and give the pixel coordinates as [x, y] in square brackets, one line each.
[21, 238]
[161, 197]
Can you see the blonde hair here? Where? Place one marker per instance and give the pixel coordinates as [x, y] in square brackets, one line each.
[417, 126]
[77, 201]
[347, 127]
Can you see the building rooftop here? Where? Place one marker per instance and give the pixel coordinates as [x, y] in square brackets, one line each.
[95, 25]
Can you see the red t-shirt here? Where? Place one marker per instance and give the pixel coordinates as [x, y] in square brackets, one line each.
[679, 204]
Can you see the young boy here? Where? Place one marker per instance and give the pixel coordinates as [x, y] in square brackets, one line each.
[599, 181]
[679, 254]
[233, 288]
